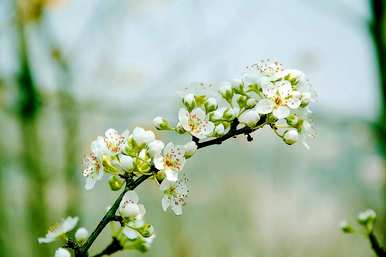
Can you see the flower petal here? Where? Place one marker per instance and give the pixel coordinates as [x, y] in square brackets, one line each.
[281, 112]
[284, 88]
[171, 175]
[264, 106]
[165, 203]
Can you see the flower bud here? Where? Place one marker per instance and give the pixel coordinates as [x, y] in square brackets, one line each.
[291, 136]
[190, 149]
[345, 227]
[306, 99]
[217, 115]
[130, 210]
[189, 101]
[62, 252]
[160, 123]
[367, 217]
[242, 101]
[142, 136]
[211, 104]
[226, 91]
[237, 85]
[116, 183]
[251, 102]
[292, 120]
[229, 114]
[219, 130]
[81, 235]
[126, 162]
[155, 147]
[146, 230]
[249, 118]
[179, 128]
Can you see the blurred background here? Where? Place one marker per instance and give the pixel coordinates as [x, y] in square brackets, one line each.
[71, 69]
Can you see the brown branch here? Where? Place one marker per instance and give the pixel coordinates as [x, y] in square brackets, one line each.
[132, 184]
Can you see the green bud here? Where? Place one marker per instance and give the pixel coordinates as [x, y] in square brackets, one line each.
[211, 104]
[189, 101]
[242, 101]
[346, 228]
[229, 114]
[238, 86]
[179, 129]
[161, 124]
[226, 91]
[116, 183]
[292, 120]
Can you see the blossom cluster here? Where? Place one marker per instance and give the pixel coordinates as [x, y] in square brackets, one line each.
[266, 95]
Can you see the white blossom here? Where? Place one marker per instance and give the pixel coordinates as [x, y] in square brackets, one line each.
[58, 230]
[172, 161]
[129, 207]
[62, 252]
[196, 122]
[175, 194]
[93, 170]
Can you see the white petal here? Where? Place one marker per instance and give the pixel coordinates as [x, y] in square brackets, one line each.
[183, 118]
[264, 106]
[284, 88]
[177, 209]
[294, 102]
[281, 112]
[165, 203]
[159, 162]
[200, 113]
[69, 223]
[90, 183]
[171, 175]
[45, 240]
[131, 196]
[130, 233]
[168, 148]
[269, 89]
[165, 185]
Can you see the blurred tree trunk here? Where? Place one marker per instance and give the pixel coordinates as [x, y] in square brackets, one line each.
[28, 108]
[377, 30]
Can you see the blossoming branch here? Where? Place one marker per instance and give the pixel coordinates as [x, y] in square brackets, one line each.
[266, 95]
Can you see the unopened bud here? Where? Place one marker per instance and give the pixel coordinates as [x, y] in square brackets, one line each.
[219, 130]
[62, 252]
[190, 149]
[116, 183]
[160, 123]
[249, 118]
[242, 101]
[291, 136]
[229, 114]
[81, 235]
[345, 227]
[189, 101]
[211, 104]
[251, 102]
[226, 91]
